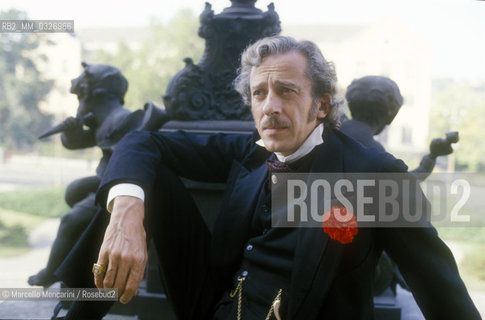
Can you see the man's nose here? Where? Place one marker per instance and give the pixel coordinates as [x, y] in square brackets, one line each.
[272, 104]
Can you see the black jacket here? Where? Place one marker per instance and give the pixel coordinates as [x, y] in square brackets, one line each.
[330, 280]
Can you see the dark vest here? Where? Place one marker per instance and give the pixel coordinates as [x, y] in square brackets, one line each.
[267, 260]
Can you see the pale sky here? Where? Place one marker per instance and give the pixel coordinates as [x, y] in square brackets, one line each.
[455, 29]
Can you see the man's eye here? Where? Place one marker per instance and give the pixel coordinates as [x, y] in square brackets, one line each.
[257, 92]
[288, 90]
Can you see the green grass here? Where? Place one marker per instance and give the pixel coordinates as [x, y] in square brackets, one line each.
[14, 230]
[11, 218]
[472, 266]
[21, 211]
[14, 236]
[40, 202]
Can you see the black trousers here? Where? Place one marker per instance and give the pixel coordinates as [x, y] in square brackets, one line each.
[182, 240]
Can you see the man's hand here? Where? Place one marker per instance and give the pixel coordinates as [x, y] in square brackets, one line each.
[124, 249]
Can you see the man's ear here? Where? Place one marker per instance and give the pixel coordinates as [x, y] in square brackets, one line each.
[325, 105]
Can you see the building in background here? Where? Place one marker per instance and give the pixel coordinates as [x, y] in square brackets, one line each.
[63, 63]
[108, 39]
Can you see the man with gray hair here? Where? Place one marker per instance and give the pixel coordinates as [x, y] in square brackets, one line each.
[246, 268]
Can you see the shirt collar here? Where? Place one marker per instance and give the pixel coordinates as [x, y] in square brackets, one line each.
[313, 140]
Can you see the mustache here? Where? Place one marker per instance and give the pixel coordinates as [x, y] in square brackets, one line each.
[275, 122]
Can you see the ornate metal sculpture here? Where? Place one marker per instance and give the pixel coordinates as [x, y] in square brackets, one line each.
[204, 91]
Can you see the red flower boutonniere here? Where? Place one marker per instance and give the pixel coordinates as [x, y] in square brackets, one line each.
[340, 224]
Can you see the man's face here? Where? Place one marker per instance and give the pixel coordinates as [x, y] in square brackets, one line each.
[281, 102]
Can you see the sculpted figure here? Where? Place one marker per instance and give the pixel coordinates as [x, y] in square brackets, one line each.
[374, 101]
[101, 120]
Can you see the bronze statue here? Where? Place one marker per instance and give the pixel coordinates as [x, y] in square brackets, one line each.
[100, 90]
[374, 102]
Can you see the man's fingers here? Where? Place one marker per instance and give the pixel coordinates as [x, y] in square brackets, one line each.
[98, 280]
[110, 276]
[102, 260]
[121, 277]
[134, 278]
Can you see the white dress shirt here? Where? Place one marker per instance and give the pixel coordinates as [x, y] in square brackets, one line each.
[313, 140]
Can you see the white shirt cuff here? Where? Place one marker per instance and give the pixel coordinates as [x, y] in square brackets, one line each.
[124, 189]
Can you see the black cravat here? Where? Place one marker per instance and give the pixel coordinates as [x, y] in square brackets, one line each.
[301, 165]
[276, 166]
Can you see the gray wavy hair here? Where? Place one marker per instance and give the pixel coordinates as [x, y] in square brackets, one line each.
[320, 71]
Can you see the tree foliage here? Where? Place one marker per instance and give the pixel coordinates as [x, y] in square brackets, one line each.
[21, 87]
[459, 106]
[149, 67]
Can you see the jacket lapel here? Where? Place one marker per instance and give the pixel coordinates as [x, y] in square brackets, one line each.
[232, 225]
[316, 258]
